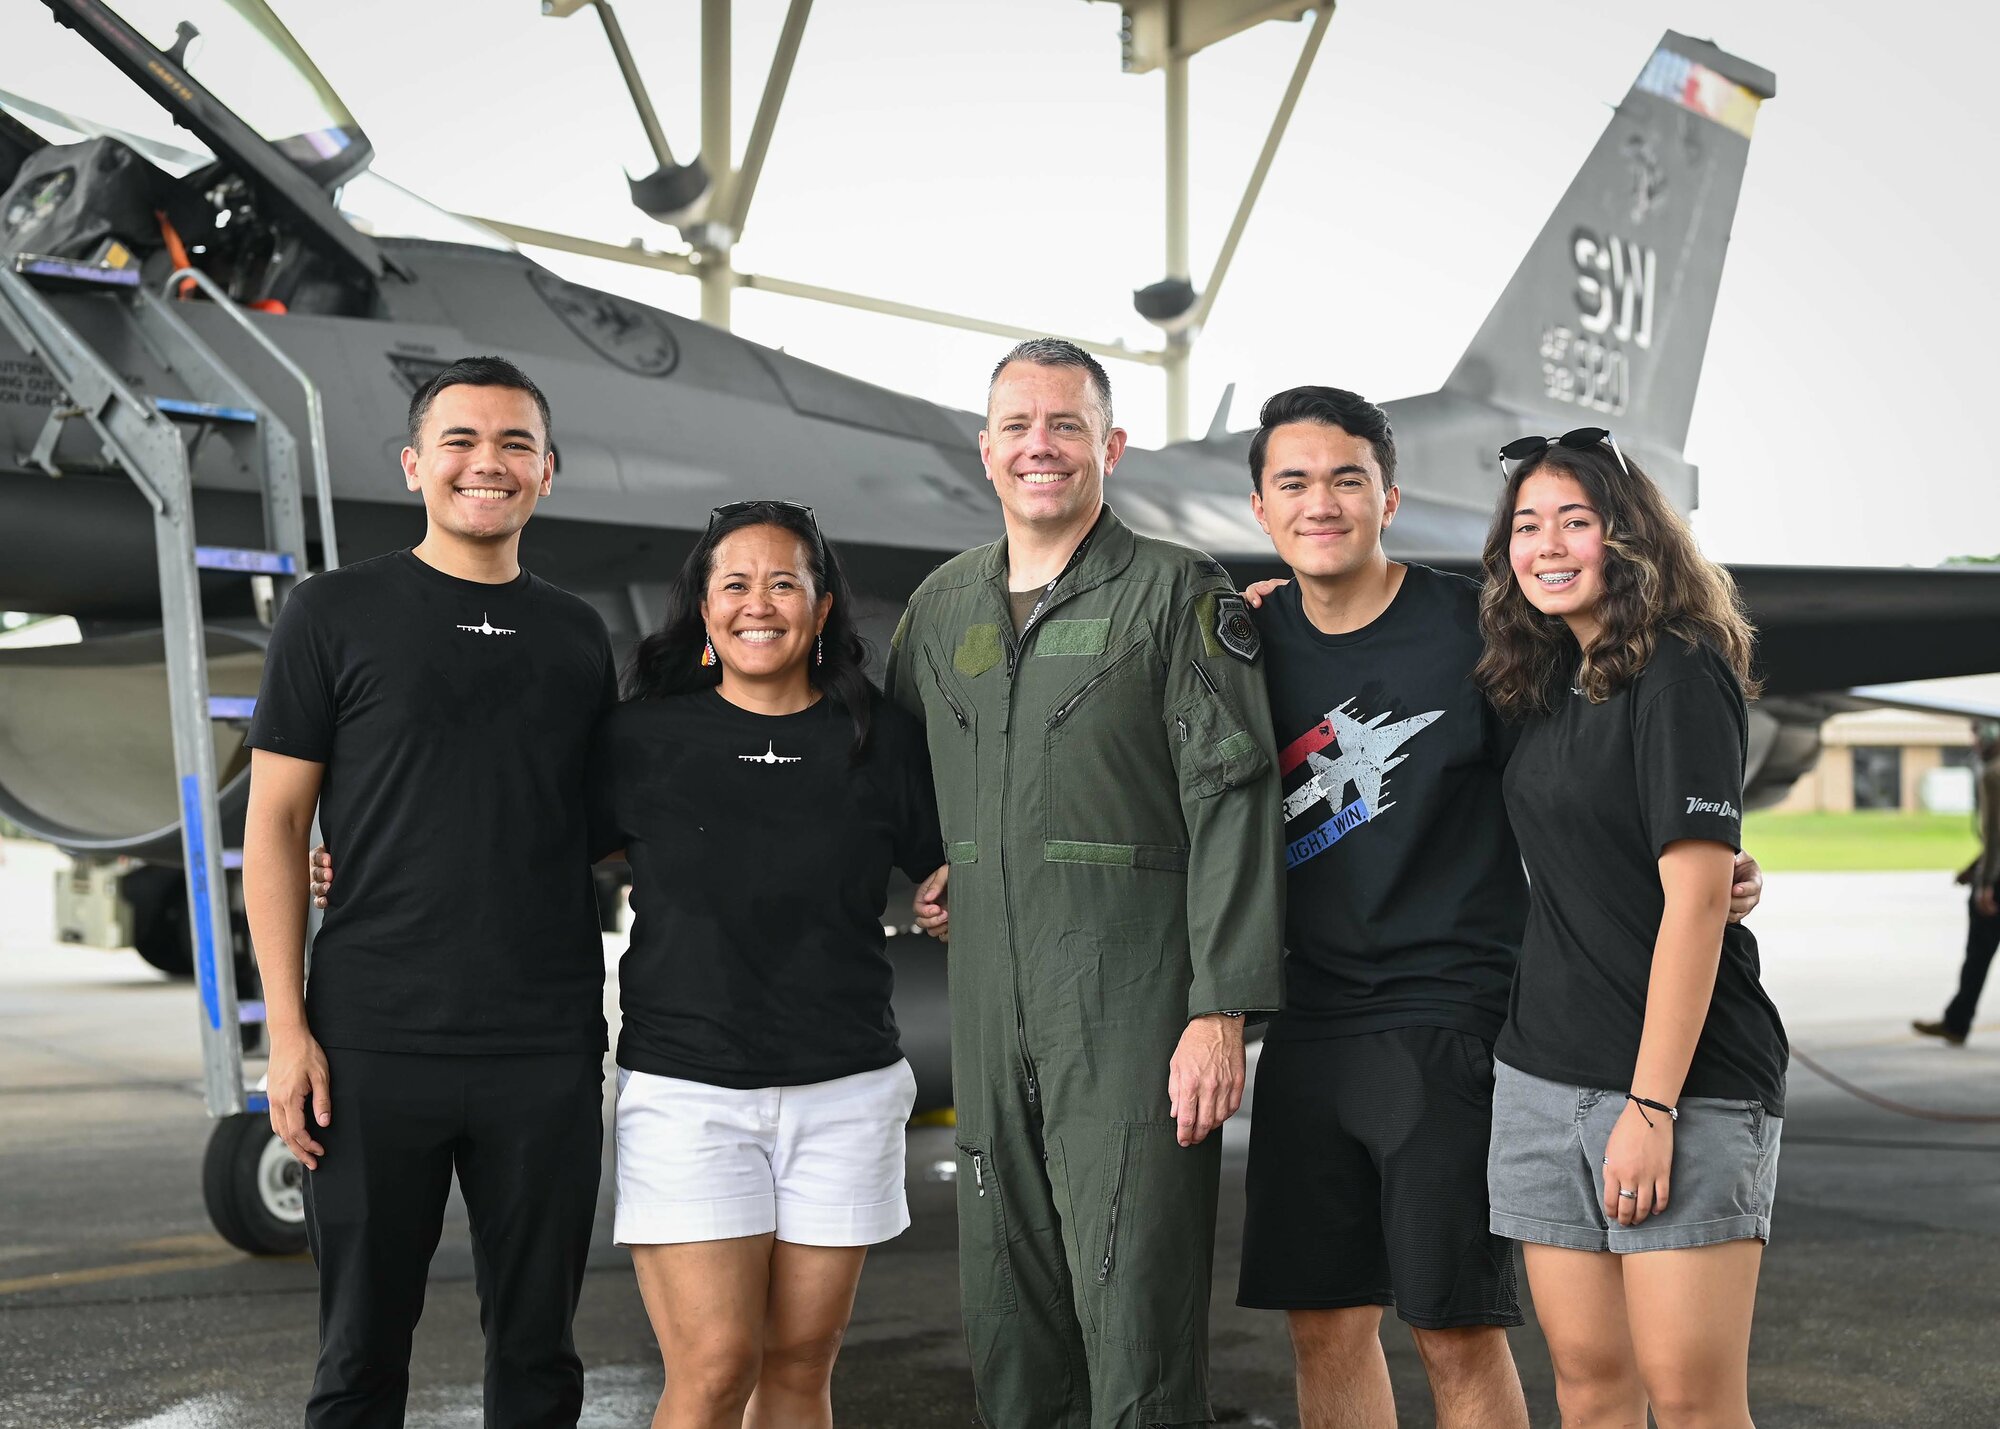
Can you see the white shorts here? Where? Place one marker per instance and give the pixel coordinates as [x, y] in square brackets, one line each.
[820, 1164]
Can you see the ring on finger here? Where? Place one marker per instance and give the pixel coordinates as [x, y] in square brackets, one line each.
[1633, 1195]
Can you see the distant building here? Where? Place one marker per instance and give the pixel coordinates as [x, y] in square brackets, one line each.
[1888, 759]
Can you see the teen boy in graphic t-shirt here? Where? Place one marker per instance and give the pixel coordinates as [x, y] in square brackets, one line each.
[437, 705]
[1404, 910]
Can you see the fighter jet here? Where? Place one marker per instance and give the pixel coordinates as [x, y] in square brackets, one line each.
[325, 296]
[1367, 754]
[365, 291]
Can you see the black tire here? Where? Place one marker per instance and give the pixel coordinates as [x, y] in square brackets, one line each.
[254, 1190]
[158, 898]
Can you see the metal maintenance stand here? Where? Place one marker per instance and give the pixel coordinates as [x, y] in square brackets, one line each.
[249, 1181]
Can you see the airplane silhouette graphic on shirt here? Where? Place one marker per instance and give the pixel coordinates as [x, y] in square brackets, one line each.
[770, 756]
[487, 627]
[1367, 754]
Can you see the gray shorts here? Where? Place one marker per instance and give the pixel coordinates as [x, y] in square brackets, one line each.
[1545, 1168]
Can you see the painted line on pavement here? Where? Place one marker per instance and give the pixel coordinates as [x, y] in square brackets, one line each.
[98, 1274]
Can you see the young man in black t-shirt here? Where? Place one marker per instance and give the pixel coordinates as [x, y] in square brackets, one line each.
[1405, 907]
[436, 705]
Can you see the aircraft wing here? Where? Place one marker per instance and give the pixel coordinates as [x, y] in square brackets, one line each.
[1974, 697]
[1833, 627]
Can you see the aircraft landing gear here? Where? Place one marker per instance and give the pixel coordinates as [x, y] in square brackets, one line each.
[254, 1189]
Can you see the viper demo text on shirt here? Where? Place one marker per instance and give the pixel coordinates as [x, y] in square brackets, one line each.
[1596, 792]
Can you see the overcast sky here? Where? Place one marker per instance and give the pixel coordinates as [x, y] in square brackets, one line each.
[988, 156]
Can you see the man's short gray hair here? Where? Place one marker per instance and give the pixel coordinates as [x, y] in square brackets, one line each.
[1057, 352]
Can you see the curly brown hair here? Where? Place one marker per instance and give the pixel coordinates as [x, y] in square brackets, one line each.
[1655, 580]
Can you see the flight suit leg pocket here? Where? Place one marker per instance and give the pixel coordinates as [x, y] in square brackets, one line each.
[985, 1269]
[1077, 1236]
[1153, 1262]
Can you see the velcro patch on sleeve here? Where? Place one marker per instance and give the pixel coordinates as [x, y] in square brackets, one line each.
[1072, 637]
[1204, 619]
[1234, 628]
[978, 650]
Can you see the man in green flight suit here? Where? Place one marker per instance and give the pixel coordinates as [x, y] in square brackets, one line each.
[1102, 748]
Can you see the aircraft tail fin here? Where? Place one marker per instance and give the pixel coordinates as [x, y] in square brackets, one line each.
[1607, 317]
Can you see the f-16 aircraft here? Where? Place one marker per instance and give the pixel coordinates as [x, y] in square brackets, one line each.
[285, 323]
[1367, 754]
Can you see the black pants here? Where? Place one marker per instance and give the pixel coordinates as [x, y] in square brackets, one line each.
[1982, 938]
[525, 1134]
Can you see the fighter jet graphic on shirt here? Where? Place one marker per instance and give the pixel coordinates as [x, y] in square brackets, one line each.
[487, 627]
[1367, 754]
[770, 756]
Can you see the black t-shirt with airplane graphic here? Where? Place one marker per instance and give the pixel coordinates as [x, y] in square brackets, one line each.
[454, 718]
[1405, 897]
[760, 856]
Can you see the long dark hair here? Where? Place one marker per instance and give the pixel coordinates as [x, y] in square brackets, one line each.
[1656, 580]
[668, 662]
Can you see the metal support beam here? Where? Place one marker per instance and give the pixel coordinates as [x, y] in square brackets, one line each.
[1177, 167]
[635, 86]
[634, 253]
[718, 154]
[1321, 17]
[685, 266]
[1178, 343]
[744, 187]
[933, 315]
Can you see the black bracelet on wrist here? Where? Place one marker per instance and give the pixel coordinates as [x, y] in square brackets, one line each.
[1673, 1114]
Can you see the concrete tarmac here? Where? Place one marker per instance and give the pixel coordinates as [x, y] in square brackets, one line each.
[120, 1307]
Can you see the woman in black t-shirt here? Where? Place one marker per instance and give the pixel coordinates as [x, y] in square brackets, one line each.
[1639, 1086]
[762, 790]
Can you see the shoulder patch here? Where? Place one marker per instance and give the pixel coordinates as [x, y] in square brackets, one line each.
[1236, 630]
[1211, 568]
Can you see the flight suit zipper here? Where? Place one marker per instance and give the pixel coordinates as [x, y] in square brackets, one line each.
[956, 712]
[1062, 711]
[1048, 602]
[1111, 1231]
[1051, 599]
[978, 1172]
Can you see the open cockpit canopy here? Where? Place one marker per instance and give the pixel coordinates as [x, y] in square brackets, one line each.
[210, 113]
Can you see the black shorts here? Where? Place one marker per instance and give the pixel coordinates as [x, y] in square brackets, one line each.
[1367, 1180]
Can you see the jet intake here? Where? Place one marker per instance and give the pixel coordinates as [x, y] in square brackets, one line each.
[86, 751]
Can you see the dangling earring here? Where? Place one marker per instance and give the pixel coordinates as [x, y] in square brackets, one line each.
[819, 650]
[707, 652]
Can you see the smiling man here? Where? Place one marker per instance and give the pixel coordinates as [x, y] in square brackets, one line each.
[1101, 745]
[436, 706]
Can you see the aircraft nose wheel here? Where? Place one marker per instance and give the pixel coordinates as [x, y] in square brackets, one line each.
[254, 1189]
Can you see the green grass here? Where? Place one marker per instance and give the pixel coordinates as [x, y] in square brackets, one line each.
[1801, 843]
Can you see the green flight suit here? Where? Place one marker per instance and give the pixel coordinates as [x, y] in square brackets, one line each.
[1107, 790]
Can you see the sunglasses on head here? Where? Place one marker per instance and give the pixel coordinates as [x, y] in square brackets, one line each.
[1526, 449]
[737, 508]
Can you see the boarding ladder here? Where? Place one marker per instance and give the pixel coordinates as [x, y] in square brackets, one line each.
[152, 440]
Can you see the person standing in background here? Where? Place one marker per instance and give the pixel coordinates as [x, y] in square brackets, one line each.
[1982, 877]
